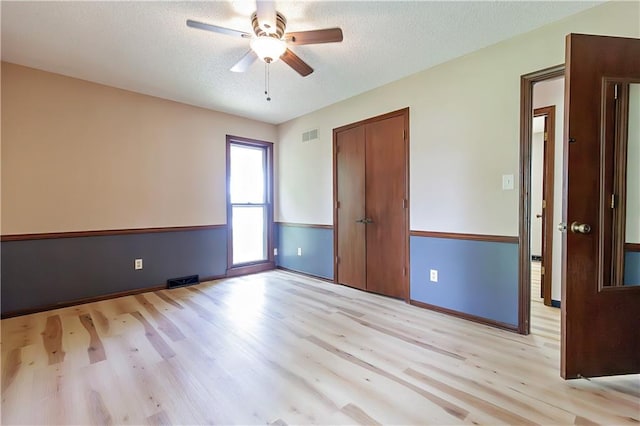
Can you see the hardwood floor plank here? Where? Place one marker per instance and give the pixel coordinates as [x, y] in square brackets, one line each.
[451, 409]
[159, 419]
[487, 407]
[164, 295]
[99, 413]
[358, 414]
[52, 338]
[164, 324]
[95, 349]
[154, 338]
[10, 367]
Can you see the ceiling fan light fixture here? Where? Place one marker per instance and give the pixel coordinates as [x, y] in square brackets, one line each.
[269, 49]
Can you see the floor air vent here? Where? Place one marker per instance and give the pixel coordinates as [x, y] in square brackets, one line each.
[182, 281]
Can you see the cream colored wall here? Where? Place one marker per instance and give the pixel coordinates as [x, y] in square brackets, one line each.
[81, 156]
[464, 118]
[548, 93]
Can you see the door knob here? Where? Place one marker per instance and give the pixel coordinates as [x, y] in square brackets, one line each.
[364, 220]
[580, 228]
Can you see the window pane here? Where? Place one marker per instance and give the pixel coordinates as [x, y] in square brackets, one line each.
[247, 174]
[249, 234]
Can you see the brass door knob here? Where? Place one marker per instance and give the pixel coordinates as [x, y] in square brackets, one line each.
[580, 228]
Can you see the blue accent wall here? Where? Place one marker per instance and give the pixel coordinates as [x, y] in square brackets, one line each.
[38, 273]
[474, 277]
[632, 268]
[316, 245]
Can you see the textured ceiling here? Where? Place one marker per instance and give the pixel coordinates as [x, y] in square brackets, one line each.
[146, 46]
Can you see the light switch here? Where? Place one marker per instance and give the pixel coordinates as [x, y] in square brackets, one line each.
[507, 182]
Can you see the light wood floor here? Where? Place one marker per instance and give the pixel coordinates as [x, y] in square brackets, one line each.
[277, 348]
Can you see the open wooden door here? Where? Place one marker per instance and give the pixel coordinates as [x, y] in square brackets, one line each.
[600, 318]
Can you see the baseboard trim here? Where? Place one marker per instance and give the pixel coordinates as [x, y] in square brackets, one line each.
[471, 237]
[250, 269]
[465, 316]
[82, 301]
[318, 277]
[105, 232]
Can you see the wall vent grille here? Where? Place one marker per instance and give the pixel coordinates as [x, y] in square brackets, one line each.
[310, 135]
[183, 281]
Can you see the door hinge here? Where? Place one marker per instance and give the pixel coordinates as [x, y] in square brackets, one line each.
[615, 92]
[404, 271]
[404, 203]
[546, 136]
[337, 260]
[404, 135]
[337, 204]
[542, 270]
[613, 201]
[544, 204]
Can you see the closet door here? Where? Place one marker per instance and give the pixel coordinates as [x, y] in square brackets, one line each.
[385, 199]
[371, 207]
[350, 189]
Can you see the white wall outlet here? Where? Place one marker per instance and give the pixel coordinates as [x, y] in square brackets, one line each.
[433, 275]
[275, 251]
[507, 182]
[299, 251]
[137, 264]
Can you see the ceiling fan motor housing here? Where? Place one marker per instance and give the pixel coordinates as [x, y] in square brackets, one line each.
[281, 25]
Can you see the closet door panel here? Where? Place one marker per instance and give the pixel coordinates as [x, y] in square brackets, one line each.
[351, 230]
[385, 193]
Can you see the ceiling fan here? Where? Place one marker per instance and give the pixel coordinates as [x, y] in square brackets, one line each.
[270, 39]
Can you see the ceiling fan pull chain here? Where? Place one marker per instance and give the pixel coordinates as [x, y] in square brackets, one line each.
[267, 74]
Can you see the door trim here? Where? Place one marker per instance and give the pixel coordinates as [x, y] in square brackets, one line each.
[404, 112]
[549, 112]
[526, 126]
[269, 263]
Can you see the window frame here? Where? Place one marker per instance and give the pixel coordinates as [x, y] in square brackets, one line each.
[268, 263]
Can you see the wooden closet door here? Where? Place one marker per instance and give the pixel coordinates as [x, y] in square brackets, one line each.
[350, 183]
[385, 198]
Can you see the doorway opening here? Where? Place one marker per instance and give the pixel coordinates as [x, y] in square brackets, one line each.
[528, 210]
[249, 205]
[542, 193]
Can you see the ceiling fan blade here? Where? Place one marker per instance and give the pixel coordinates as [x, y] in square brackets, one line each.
[217, 29]
[245, 62]
[294, 61]
[329, 35]
[266, 13]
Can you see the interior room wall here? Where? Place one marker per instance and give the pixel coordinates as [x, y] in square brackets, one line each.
[551, 93]
[79, 156]
[464, 135]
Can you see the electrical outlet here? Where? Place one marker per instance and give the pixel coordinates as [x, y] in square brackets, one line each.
[275, 251]
[433, 275]
[299, 251]
[137, 264]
